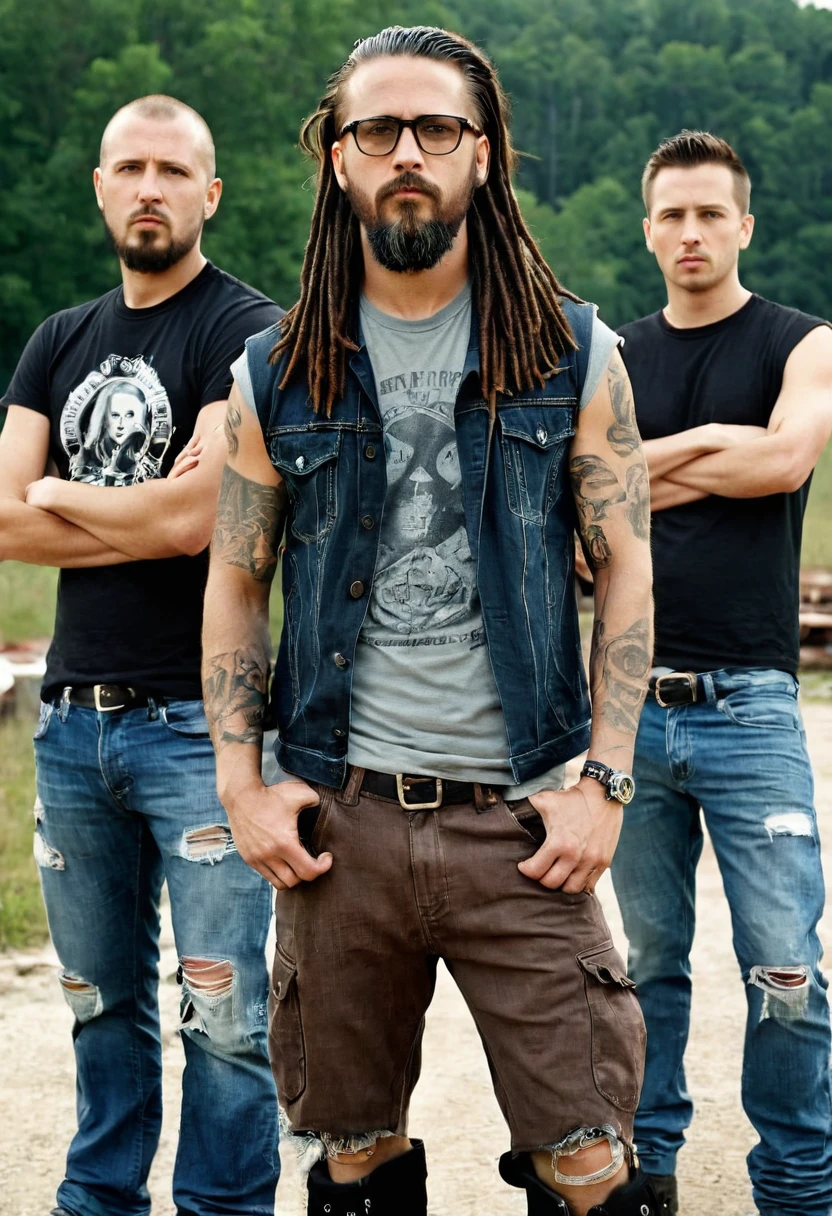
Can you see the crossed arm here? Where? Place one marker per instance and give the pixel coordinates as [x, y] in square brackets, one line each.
[750, 461]
[50, 522]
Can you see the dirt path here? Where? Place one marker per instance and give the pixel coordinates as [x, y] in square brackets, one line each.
[37, 1090]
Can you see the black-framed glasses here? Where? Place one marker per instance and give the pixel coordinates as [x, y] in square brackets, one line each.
[436, 134]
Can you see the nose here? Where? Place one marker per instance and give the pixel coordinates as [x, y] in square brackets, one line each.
[150, 187]
[408, 156]
[691, 231]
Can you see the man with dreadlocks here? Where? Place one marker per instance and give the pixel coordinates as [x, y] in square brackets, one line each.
[429, 426]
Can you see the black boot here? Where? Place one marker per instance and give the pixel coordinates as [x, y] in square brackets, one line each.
[667, 1193]
[635, 1198]
[396, 1188]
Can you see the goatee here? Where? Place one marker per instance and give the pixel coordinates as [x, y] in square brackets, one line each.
[145, 256]
[412, 244]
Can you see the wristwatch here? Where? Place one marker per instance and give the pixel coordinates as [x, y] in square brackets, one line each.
[618, 785]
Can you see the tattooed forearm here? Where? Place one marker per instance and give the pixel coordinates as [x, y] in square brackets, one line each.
[619, 667]
[234, 687]
[250, 519]
[623, 435]
[232, 423]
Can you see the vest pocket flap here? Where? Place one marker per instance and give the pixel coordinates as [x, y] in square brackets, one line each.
[605, 965]
[283, 973]
[301, 452]
[540, 425]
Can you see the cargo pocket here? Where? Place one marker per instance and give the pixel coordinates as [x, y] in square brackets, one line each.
[618, 1035]
[286, 1046]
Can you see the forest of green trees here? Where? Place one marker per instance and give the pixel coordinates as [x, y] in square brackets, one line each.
[594, 85]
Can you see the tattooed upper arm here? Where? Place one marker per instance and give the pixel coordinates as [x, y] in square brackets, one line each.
[607, 468]
[250, 522]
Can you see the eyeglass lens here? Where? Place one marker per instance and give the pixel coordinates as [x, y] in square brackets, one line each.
[435, 134]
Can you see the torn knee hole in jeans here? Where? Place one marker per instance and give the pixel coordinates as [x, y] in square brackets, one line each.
[577, 1144]
[208, 844]
[785, 991]
[206, 977]
[46, 857]
[83, 998]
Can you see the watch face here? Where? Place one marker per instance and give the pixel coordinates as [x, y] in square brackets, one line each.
[622, 787]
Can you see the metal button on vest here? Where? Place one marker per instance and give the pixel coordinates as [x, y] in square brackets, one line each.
[357, 589]
[338, 733]
[300, 463]
[370, 452]
[340, 661]
[367, 522]
[542, 435]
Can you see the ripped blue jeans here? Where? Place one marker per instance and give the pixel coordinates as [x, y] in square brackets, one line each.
[737, 758]
[124, 802]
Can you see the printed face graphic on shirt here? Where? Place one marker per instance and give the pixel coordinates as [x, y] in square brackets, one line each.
[424, 580]
[116, 425]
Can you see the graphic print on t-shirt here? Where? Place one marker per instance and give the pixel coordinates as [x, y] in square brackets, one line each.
[425, 575]
[116, 425]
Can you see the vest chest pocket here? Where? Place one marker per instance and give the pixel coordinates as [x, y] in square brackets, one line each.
[308, 463]
[534, 439]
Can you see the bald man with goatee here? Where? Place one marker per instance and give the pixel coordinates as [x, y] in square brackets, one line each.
[125, 397]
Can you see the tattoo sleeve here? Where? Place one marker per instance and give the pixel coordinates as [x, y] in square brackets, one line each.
[619, 667]
[235, 686]
[623, 435]
[250, 519]
[232, 423]
[596, 489]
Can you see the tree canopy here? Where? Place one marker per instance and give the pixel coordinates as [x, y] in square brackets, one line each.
[594, 87]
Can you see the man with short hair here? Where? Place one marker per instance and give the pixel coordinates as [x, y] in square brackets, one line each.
[429, 426]
[126, 395]
[733, 400]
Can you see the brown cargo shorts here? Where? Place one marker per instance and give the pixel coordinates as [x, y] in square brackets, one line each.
[355, 969]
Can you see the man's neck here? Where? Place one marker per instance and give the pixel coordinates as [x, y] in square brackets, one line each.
[143, 290]
[415, 295]
[691, 309]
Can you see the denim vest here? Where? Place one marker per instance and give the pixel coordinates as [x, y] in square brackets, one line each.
[520, 518]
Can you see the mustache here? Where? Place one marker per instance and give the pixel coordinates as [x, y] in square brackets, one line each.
[405, 181]
[141, 212]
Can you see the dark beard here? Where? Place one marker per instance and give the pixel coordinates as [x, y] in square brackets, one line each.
[147, 257]
[409, 244]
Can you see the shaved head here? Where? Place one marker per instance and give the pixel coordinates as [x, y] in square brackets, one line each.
[166, 109]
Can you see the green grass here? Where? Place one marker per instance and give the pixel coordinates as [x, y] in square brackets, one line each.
[22, 918]
[817, 539]
[27, 601]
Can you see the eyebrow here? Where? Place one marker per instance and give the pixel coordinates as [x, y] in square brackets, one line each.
[142, 160]
[698, 207]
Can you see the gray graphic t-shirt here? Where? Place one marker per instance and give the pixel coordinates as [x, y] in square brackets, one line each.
[424, 698]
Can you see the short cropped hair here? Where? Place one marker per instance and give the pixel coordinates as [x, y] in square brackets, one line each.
[158, 105]
[691, 148]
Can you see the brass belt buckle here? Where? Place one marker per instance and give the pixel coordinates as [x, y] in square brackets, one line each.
[104, 709]
[690, 676]
[403, 786]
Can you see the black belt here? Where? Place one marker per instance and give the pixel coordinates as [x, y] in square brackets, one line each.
[110, 698]
[415, 793]
[677, 688]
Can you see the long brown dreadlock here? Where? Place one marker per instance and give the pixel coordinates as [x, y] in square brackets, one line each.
[523, 331]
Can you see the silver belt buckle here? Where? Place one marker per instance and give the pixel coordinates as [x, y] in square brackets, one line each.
[104, 709]
[402, 789]
[690, 676]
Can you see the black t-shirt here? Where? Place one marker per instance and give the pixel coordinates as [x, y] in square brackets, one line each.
[726, 570]
[123, 387]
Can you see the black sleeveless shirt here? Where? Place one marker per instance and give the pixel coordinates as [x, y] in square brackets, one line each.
[726, 570]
